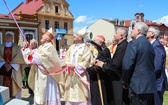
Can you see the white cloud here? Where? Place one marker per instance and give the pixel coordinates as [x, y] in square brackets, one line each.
[77, 29]
[84, 19]
[90, 20]
[164, 20]
[110, 18]
[81, 19]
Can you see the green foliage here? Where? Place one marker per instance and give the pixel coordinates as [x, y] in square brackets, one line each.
[165, 101]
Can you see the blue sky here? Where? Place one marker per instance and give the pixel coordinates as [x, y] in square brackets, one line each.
[86, 12]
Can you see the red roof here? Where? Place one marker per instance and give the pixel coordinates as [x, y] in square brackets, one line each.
[127, 23]
[29, 8]
[147, 22]
[155, 24]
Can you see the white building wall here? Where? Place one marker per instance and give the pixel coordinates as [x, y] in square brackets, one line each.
[102, 27]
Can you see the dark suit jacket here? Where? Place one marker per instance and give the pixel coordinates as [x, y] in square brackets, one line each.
[159, 62]
[115, 64]
[113, 68]
[138, 66]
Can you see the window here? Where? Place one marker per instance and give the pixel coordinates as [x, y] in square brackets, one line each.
[137, 17]
[122, 23]
[56, 25]
[56, 9]
[29, 34]
[65, 41]
[29, 37]
[66, 26]
[46, 24]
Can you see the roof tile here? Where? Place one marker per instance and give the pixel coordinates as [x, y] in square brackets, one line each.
[29, 8]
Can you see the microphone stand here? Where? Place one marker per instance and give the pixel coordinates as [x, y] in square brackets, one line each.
[133, 94]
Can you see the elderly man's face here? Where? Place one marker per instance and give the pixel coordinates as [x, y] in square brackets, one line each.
[117, 36]
[44, 38]
[135, 32]
[77, 37]
[98, 41]
[150, 34]
[8, 38]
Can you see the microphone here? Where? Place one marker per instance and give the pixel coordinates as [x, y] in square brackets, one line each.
[99, 48]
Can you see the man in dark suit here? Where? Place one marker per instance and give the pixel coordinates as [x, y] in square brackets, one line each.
[159, 63]
[115, 65]
[138, 66]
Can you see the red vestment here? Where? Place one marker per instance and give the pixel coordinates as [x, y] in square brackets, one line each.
[7, 80]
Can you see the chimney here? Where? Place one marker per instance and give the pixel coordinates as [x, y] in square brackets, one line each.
[116, 20]
[28, 1]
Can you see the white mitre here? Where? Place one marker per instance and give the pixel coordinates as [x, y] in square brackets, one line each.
[50, 30]
[50, 33]
[83, 32]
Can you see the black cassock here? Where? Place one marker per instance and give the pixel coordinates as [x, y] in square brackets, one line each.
[106, 83]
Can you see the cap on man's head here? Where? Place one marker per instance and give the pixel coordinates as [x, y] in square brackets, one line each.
[101, 37]
[83, 32]
[49, 33]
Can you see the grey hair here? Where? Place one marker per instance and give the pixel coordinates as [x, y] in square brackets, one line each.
[142, 27]
[124, 31]
[155, 30]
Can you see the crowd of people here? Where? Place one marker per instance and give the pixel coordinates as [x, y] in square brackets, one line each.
[97, 73]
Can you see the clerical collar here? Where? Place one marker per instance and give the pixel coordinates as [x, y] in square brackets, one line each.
[45, 44]
[8, 44]
[78, 44]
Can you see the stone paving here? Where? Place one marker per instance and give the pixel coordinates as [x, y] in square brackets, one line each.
[26, 96]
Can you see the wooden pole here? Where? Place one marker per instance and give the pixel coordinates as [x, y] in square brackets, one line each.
[100, 89]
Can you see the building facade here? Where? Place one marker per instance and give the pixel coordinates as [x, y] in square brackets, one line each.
[35, 17]
[139, 17]
[106, 27]
[7, 24]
